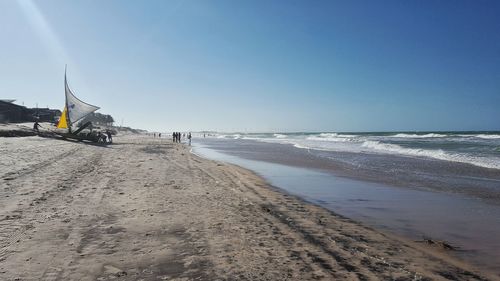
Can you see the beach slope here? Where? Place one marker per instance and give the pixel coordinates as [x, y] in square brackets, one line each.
[147, 209]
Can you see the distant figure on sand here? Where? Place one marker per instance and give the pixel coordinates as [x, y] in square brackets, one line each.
[176, 137]
[110, 138]
[189, 138]
[36, 126]
[101, 138]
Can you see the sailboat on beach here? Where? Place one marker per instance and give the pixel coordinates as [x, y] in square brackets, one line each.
[74, 111]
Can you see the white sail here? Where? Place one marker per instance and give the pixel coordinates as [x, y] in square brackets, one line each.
[77, 109]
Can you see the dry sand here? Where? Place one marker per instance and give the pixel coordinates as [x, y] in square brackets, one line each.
[145, 209]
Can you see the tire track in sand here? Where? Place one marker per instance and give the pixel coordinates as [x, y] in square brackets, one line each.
[34, 214]
[44, 164]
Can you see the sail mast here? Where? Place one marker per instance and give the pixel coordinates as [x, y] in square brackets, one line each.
[66, 99]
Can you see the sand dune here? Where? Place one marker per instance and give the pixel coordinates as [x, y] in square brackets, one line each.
[145, 209]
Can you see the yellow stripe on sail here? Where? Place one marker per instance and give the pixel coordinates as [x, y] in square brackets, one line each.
[62, 121]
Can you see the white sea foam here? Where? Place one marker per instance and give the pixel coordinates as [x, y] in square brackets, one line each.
[436, 154]
[371, 143]
[328, 135]
[415, 136]
[253, 138]
[484, 136]
[326, 145]
[335, 135]
[332, 139]
[301, 146]
[234, 136]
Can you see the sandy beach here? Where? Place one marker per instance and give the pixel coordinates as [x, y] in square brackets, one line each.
[148, 209]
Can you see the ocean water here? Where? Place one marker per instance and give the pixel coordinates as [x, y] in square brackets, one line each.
[481, 149]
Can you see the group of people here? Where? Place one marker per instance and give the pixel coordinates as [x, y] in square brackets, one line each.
[101, 137]
[176, 137]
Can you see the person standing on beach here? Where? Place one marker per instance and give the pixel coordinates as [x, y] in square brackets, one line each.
[110, 138]
[36, 126]
[189, 138]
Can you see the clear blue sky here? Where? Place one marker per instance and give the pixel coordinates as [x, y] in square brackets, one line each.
[260, 65]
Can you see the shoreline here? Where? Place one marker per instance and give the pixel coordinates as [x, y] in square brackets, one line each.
[468, 224]
[438, 251]
[471, 181]
[145, 208]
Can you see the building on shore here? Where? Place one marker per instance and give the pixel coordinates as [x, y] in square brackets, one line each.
[46, 114]
[11, 112]
[14, 113]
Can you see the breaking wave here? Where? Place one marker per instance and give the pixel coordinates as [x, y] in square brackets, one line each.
[416, 136]
[333, 137]
[436, 154]
[234, 136]
[479, 149]
[489, 137]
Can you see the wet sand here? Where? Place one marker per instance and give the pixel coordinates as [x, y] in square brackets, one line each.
[149, 209]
